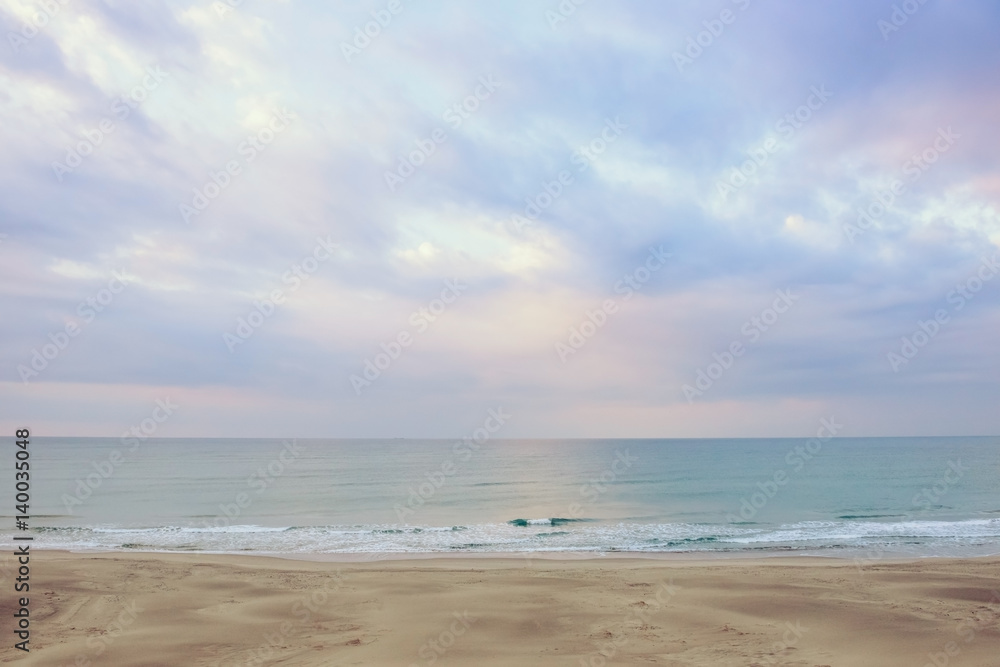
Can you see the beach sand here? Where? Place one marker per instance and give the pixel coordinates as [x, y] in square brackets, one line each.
[191, 609]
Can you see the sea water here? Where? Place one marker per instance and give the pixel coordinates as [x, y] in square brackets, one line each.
[850, 497]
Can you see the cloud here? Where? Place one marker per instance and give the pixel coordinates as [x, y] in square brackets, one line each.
[587, 129]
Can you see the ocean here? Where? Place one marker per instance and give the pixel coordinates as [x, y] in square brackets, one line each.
[849, 497]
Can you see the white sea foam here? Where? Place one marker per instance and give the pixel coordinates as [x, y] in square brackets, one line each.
[943, 537]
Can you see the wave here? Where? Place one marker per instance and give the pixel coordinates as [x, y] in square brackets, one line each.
[955, 538]
[555, 521]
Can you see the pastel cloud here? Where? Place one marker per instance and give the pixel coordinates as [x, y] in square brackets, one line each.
[654, 183]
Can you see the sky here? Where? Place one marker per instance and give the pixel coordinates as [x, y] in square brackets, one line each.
[385, 219]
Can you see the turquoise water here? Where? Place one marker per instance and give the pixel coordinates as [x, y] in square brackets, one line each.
[842, 497]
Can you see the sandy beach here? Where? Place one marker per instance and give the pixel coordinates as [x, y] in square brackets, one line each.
[153, 609]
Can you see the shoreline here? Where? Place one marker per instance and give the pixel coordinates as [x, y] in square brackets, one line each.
[696, 557]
